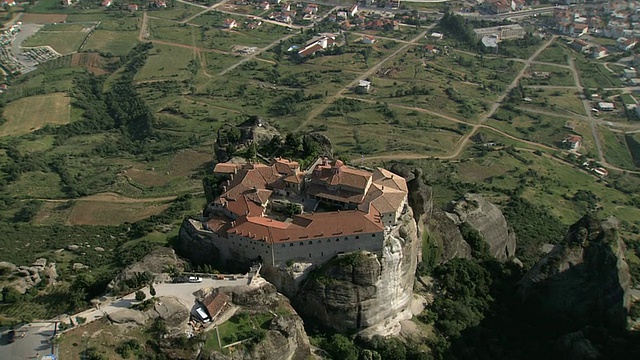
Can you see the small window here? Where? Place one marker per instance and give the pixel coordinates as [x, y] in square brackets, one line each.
[266, 252]
[291, 245]
[283, 245]
[373, 235]
[357, 237]
[301, 243]
[319, 241]
[310, 242]
[328, 240]
[309, 256]
[346, 238]
[337, 240]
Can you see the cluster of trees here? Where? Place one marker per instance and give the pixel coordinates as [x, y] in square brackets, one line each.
[534, 225]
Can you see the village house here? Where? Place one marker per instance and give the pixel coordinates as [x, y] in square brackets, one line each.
[367, 39]
[132, 7]
[629, 73]
[318, 45]
[353, 10]
[625, 44]
[577, 29]
[498, 6]
[364, 85]
[160, 4]
[606, 106]
[265, 5]
[572, 142]
[505, 32]
[285, 7]
[8, 2]
[230, 24]
[311, 9]
[600, 52]
[106, 3]
[579, 45]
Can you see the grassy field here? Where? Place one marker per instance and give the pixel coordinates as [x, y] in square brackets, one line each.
[32, 113]
[553, 100]
[556, 53]
[615, 148]
[179, 12]
[234, 327]
[63, 38]
[558, 76]
[166, 62]
[594, 75]
[115, 42]
[107, 213]
[547, 182]
[530, 126]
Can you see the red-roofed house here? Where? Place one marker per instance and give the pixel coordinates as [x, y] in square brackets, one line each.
[311, 9]
[107, 3]
[133, 7]
[367, 39]
[353, 10]
[215, 303]
[230, 24]
[572, 142]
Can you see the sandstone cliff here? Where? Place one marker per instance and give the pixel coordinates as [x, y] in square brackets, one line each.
[359, 290]
[479, 214]
[584, 280]
[488, 220]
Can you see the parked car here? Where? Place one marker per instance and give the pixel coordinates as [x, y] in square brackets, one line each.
[195, 279]
[180, 279]
[11, 336]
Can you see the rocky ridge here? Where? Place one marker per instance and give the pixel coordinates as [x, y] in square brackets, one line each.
[584, 280]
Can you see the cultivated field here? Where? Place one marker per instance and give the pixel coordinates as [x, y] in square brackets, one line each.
[92, 61]
[31, 113]
[30, 18]
[63, 38]
[109, 41]
[107, 213]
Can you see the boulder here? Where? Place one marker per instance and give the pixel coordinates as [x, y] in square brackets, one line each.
[171, 310]
[155, 263]
[126, 316]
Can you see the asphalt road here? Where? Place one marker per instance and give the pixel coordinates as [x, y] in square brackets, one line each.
[35, 342]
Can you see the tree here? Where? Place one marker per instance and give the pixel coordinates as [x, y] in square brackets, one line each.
[340, 347]
[292, 141]
[140, 295]
[10, 295]
[152, 290]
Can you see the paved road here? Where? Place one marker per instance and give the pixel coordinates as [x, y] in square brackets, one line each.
[35, 341]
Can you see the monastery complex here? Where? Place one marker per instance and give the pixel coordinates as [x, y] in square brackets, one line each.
[278, 213]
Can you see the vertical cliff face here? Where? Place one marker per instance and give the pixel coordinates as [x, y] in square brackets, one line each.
[584, 280]
[359, 290]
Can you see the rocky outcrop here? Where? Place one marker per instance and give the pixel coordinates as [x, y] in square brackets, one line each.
[23, 278]
[359, 290]
[446, 236]
[155, 263]
[488, 220]
[584, 280]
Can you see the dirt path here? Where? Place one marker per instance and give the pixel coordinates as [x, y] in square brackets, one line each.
[110, 197]
[496, 104]
[587, 110]
[318, 110]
